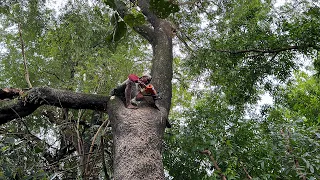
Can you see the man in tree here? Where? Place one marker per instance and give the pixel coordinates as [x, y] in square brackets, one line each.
[130, 89]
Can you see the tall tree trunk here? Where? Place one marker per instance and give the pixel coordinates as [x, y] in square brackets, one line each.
[137, 141]
[162, 63]
[138, 134]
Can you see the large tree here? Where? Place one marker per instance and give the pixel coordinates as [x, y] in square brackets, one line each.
[235, 52]
[137, 134]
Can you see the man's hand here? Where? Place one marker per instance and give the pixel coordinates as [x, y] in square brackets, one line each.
[142, 84]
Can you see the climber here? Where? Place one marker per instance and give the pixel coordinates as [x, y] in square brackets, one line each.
[131, 89]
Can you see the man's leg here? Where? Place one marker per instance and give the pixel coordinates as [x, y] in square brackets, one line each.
[128, 91]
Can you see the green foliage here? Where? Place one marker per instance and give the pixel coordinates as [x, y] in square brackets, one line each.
[119, 30]
[31, 26]
[201, 129]
[110, 3]
[163, 8]
[134, 19]
[67, 51]
[267, 146]
[302, 99]
[13, 150]
[244, 48]
[243, 51]
[250, 43]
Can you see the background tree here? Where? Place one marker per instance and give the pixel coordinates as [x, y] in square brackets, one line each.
[246, 49]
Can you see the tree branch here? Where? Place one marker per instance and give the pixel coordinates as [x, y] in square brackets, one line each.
[145, 32]
[215, 164]
[10, 93]
[104, 166]
[94, 139]
[26, 72]
[63, 159]
[187, 3]
[29, 137]
[247, 174]
[28, 102]
[55, 75]
[270, 51]
[146, 10]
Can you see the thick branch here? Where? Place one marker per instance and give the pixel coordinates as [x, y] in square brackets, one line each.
[145, 31]
[146, 10]
[10, 93]
[36, 97]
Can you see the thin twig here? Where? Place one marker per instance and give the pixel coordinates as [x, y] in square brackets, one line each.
[247, 174]
[103, 159]
[75, 167]
[94, 139]
[265, 51]
[80, 144]
[66, 158]
[26, 72]
[54, 75]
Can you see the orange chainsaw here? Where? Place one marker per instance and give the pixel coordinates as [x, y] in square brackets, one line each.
[150, 91]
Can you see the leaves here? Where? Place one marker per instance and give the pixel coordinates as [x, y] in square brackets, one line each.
[262, 144]
[163, 8]
[69, 51]
[134, 19]
[243, 52]
[118, 32]
[110, 3]
[240, 50]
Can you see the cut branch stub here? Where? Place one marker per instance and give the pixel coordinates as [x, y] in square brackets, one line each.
[10, 93]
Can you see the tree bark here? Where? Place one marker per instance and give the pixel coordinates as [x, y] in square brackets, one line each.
[162, 66]
[137, 141]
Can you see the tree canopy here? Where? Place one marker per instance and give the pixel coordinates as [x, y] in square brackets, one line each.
[225, 56]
